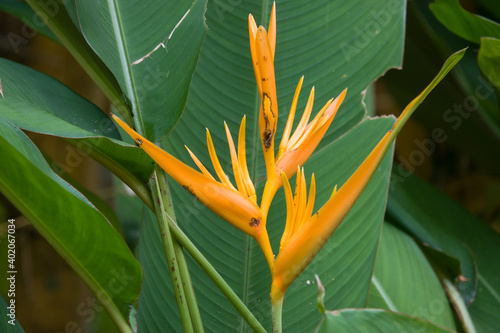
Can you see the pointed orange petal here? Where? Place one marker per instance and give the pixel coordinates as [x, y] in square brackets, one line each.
[303, 121]
[242, 160]
[199, 164]
[215, 162]
[309, 240]
[238, 174]
[289, 123]
[287, 233]
[310, 200]
[314, 125]
[229, 204]
[252, 32]
[272, 30]
[299, 155]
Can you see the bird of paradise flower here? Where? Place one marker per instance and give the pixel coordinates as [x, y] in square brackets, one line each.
[305, 233]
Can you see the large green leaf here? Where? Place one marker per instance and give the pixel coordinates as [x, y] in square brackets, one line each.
[404, 281]
[370, 320]
[68, 221]
[155, 312]
[462, 23]
[151, 49]
[55, 16]
[36, 102]
[438, 221]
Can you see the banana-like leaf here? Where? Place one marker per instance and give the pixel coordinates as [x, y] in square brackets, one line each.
[404, 281]
[437, 220]
[463, 23]
[68, 221]
[57, 19]
[488, 60]
[151, 49]
[36, 102]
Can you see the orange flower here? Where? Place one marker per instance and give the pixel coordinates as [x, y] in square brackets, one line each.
[304, 234]
[296, 149]
[293, 150]
[262, 47]
[236, 206]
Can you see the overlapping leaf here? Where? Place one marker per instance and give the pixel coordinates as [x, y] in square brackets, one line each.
[437, 220]
[68, 221]
[152, 49]
[38, 103]
[404, 281]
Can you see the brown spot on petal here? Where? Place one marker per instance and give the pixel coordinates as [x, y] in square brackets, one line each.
[267, 109]
[138, 141]
[187, 188]
[254, 222]
[268, 138]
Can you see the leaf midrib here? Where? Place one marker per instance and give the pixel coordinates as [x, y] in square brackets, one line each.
[125, 60]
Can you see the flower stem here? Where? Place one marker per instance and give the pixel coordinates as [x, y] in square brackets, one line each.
[166, 198]
[276, 312]
[216, 278]
[170, 253]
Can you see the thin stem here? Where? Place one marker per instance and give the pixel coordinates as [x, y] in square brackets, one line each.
[216, 278]
[194, 311]
[458, 303]
[276, 312]
[118, 319]
[170, 253]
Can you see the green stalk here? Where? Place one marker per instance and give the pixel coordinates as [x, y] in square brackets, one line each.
[276, 313]
[194, 311]
[168, 247]
[216, 278]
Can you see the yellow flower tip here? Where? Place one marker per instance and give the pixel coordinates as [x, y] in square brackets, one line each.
[334, 106]
[272, 30]
[133, 134]
[199, 164]
[252, 26]
[334, 191]
[242, 160]
[252, 32]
